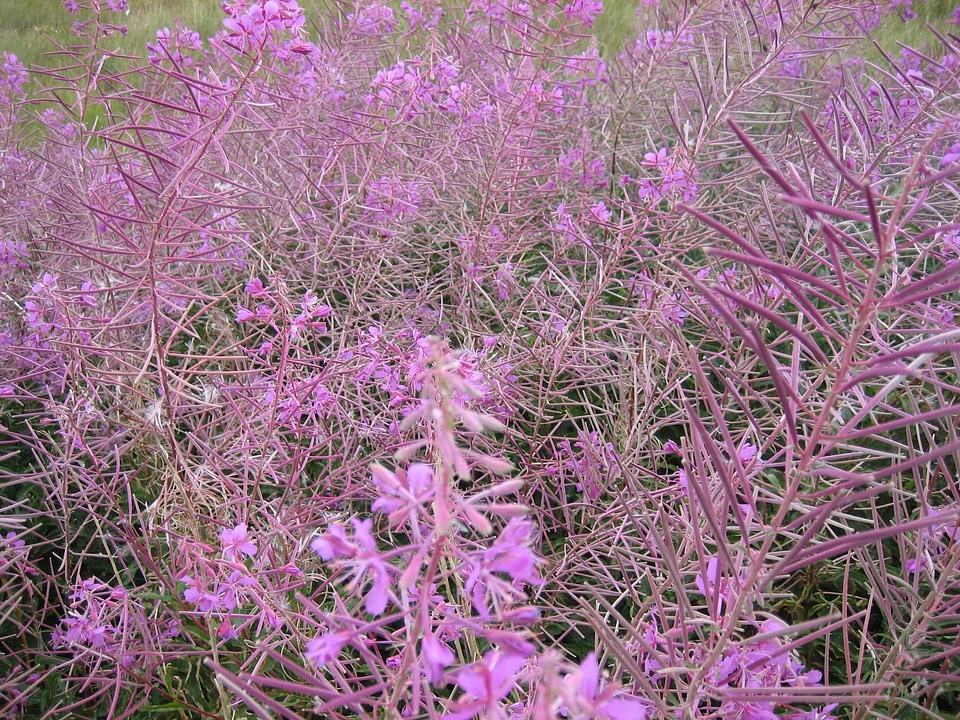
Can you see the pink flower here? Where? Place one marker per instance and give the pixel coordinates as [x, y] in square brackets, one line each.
[914, 565]
[11, 538]
[231, 592]
[324, 649]
[333, 544]
[205, 601]
[255, 288]
[225, 630]
[747, 453]
[714, 585]
[437, 656]
[586, 11]
[485, 684]
[402, 494]
[953, 154]
[250, 25]
[750, 710]
[656, 159]
[511, 553]
[594, 699]
[362, 556]
[600, 212]
[237, 542]
[824, 713]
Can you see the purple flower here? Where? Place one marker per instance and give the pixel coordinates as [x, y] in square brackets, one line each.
[594, 699]
[485, 684]
[255, 288]
[362, 556]
[600, 212]
[225, 630]
[747, 453]
[656, 159]
[749, 710]
[905, 7]
[205, 601]
[324, 649]
[586, 11]
[914, 565]
[236, 542]
[231, 592]
[11, 539]
[13, 76]
[952, 155]
[333, 544]
[824, 713]
[250, 25]
[437, 656]
[402, 494]
[511, 553]
[713, 585]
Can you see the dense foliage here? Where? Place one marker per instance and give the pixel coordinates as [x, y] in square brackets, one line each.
[422, 361]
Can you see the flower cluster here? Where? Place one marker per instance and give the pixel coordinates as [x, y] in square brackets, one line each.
[586, 11]
[101, 622]
[180, 47]
[237, 592]
[13, 77]
[396, 366]
[447, 545]
[674, 177]
[759, 663]
[250, 26]
[275, 317]
[231, 275]
[15, 556]
[591, 462]
[934, 543]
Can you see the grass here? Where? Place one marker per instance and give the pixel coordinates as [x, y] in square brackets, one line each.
[25, 24]
[914, 33]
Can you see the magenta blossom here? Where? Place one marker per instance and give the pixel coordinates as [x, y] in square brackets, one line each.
[362, 556]
[511, 555]
[824, 713]
[324, 649]
[236, 542]
[437, 657]
[485, 683]
[714, 587]
[205, 601]
[402, 494]
[589, 697]
[586, 11]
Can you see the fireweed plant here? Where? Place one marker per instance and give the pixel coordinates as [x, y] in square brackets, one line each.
[418, 360]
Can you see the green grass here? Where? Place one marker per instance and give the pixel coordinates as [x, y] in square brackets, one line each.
[26, 23]
[915, 33]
